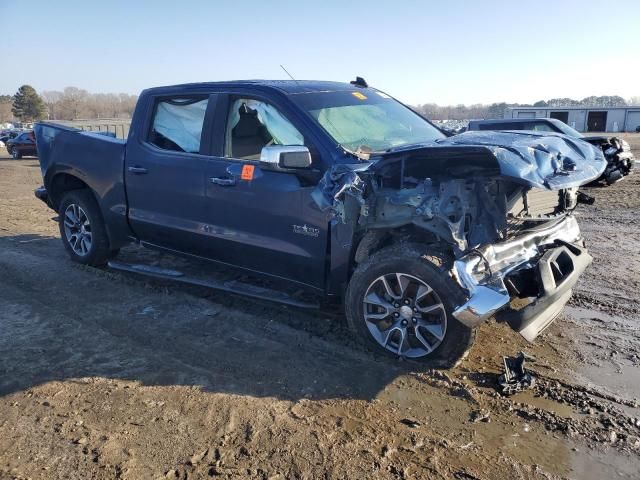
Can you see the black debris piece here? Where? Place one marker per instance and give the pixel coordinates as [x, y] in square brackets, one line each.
[410, 423]
[515, 378]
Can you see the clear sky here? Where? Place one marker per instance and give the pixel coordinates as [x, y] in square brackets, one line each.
[447, 52]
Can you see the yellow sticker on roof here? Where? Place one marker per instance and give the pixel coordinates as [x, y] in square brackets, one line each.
[358, 95]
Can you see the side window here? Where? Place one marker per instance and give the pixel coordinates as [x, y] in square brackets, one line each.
[177, 124]
[493, 126]
[252, 125]
[502, 126]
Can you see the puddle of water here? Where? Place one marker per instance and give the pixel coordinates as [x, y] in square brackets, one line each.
[600, 465]
[527, 442]
[618, 375]
[548, 404]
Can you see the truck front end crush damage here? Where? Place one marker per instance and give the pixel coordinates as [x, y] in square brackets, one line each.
[499, 203]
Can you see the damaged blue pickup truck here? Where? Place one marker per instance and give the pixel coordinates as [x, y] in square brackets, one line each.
[339, 189]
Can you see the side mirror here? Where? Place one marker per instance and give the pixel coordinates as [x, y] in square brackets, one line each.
[285, 157]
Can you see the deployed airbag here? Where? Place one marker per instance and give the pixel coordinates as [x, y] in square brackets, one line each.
[181, 123]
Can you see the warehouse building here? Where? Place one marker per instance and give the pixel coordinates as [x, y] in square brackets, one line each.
[585, 119]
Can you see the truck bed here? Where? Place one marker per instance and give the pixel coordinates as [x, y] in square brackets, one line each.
[69, 141]
[97, 159]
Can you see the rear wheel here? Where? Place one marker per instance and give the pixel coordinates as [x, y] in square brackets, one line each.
[400, 302]
[82, 229]
[16, 154]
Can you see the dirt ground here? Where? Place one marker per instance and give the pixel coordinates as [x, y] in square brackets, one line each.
[108, 375]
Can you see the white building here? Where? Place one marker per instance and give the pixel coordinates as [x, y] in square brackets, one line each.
[585, 119]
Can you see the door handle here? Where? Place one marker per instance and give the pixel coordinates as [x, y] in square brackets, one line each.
[138, 170]
[223, 181]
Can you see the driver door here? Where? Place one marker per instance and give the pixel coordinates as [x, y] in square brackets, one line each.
[258, 218]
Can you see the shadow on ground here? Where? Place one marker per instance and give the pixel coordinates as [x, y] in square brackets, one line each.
[63, 321]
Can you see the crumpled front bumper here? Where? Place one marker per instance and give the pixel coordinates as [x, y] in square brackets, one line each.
[552, 259]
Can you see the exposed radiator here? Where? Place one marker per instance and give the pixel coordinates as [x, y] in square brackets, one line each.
[535, 203]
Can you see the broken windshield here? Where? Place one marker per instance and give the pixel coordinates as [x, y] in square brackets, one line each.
[365, 120]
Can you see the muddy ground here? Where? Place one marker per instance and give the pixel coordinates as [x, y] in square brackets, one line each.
[107, 375]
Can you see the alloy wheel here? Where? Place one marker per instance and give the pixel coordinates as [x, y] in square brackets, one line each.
[77, 229]
[404, 315]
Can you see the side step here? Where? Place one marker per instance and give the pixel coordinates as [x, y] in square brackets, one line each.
[231, 286]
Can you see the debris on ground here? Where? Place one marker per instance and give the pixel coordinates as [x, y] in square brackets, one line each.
[410, 422]
[515, 378]
[480, 416]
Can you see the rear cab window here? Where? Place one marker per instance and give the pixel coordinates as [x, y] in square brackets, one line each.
[177, 123]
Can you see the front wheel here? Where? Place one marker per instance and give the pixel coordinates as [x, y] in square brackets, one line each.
[82, 229]
[16, 154]
[400, 302]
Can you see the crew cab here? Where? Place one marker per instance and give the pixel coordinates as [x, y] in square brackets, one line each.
[338, 189]
[617, 151]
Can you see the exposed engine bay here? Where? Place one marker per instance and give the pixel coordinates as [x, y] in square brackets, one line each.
[468, 213]
[465, 193]
[502, 205]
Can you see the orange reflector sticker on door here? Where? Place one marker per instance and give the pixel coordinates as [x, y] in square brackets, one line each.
[247, 172]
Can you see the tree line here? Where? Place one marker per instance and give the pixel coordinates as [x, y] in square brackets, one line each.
[74, 103]
[71, 103]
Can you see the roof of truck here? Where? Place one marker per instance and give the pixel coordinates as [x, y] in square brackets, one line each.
[289, 87]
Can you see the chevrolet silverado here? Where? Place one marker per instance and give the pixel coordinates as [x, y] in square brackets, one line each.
[341, 190]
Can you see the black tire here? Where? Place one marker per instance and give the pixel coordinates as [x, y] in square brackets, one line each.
[99, 250]
[16, 154]
[430, 268]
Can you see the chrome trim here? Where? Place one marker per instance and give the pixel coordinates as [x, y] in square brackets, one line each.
[489, 294]
[272, 155]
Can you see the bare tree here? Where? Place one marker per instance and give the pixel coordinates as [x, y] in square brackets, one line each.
[52, 98]
[73, 103]
[5, 108]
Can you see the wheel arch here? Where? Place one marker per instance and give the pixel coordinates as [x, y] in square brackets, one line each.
[375, 240]
[62, 183]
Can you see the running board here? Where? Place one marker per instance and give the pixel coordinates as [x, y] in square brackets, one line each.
[231, 286]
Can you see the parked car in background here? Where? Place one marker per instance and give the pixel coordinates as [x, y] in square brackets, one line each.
[340, 190]
[22, 145]
[620, 159]
[6, 135]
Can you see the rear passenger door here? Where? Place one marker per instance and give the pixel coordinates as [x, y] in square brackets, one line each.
[165, 171]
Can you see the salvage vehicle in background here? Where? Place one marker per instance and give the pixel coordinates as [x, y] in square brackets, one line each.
[22, 145]
[7, 135]
[620, 160]
[339, 189]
